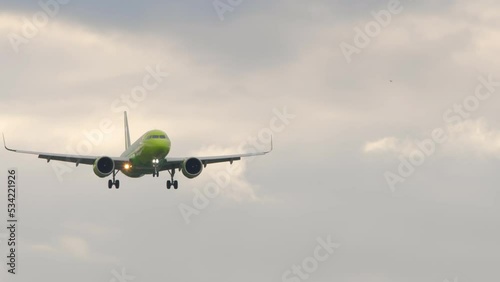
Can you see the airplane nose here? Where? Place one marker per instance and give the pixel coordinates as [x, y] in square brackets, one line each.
[159, 147]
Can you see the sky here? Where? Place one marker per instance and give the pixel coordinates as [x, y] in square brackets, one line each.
[384, 120]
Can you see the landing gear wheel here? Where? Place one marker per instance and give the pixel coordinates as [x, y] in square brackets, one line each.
[172, 182]
[114, 182]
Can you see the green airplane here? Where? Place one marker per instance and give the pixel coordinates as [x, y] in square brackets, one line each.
[147, 155]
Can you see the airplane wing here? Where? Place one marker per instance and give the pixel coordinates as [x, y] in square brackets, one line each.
[175, 163]
[77, 159]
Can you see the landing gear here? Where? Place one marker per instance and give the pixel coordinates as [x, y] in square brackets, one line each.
[156, 173]
[172, 182]
[114, 182]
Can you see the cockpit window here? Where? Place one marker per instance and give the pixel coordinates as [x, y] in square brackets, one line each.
[156, 137]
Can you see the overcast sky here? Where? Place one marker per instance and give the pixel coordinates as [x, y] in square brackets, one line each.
[386, 139]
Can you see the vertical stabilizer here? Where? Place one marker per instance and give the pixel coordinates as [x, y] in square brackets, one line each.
[127, 133]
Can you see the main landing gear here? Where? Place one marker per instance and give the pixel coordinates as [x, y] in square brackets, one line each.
[114, 182]
[172, 182]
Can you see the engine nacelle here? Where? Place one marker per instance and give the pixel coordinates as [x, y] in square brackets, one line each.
[104, 166]
[191, 167]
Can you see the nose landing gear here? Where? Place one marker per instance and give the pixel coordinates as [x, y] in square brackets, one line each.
[156, 163]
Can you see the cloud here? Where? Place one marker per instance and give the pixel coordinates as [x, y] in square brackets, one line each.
[72, 243]
[470, 138]
[239, 188]
[476, 138]
[387, 144]
[72, 247]
[91, 229]
[77, 53]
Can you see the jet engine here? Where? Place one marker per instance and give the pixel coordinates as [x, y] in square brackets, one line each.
[191, 167]
[104, 166]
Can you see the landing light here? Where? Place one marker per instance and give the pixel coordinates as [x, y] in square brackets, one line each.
[127, 166]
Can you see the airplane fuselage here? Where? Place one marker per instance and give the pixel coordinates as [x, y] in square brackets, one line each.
[153, 145]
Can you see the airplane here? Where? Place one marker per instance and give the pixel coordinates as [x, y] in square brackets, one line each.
[147, 155]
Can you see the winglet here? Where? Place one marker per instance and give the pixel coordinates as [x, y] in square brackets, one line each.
[5, 144]
[272, 146]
